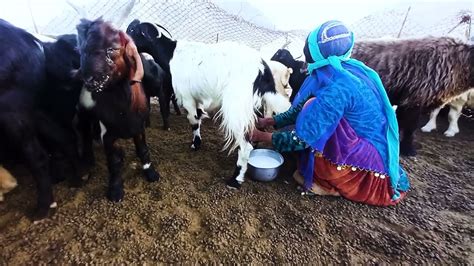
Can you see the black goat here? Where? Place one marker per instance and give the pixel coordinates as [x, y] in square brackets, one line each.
[27, 69]
[153, 85]
[299, 70]
[167, 93]
[59, 100]
[112, 71]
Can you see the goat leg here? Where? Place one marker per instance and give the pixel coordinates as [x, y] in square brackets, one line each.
[20, 130]
[175, 104]
[114, 163]
[408, 118]
[238, 176]
[37, 160]
[85, 128]
[143, 153]
[147, 119]
[164, 99]
[61, 140]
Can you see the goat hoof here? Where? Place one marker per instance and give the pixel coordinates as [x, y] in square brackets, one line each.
[233, 184]
[43, 212]
[152, 175]
[196, 143]
[115, 194]
[407, 151]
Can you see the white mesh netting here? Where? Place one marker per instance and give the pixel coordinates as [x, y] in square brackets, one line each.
[205, 21]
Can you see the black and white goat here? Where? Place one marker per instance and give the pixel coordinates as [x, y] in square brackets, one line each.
[166, 94]
[113, 71]
[226, 77]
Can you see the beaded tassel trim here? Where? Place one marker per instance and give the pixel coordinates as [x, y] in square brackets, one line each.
[339, 166]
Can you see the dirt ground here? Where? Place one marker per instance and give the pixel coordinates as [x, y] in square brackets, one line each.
[191, 216]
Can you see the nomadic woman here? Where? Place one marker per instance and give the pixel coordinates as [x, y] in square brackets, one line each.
[345, 129]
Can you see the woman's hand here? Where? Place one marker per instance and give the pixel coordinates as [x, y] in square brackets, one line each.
[260, 136]
[265, 122]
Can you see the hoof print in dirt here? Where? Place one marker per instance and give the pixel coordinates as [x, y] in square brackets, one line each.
[233, 184]
[115, 194]
[151, 175]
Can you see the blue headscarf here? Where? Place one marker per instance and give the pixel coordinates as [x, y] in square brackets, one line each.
[330, 47]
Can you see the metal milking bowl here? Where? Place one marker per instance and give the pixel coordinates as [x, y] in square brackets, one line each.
[263, 173]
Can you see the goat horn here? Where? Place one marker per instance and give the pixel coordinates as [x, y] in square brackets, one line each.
[157, 27]
[164, 29]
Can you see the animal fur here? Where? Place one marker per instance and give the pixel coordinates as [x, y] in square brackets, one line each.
[420, 72]
[228, 78]
[456, 104]
[7, 182]
[281, 76]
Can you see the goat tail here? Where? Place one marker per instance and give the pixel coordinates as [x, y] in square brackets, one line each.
[138, 98]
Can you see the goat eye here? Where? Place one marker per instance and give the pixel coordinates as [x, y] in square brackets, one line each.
[112, 50]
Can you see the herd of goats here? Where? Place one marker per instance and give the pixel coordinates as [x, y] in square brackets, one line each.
[57, 97]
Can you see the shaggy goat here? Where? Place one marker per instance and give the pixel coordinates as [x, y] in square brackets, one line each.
[419, 73]
[456, 104]
[227, 77]
[7, 182]
[112, 71]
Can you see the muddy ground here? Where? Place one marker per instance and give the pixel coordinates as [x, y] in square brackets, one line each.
[190, 215]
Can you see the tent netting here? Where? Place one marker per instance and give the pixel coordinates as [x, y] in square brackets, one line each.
[205, 21]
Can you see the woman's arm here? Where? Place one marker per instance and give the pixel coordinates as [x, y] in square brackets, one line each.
[283, 141]
[288, 117]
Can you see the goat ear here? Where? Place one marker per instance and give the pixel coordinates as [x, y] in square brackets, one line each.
[149, 31]
[82, 30]
[290, 70]
[133, 25]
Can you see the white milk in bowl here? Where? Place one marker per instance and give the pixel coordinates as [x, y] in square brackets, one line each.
[261, 161]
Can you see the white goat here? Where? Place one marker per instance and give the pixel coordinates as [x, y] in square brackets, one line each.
[228, 78]
[7, 182]
[456, 104]
[281, 76]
